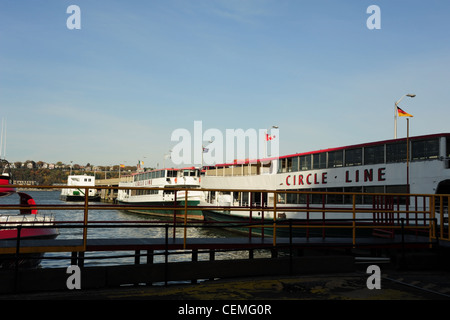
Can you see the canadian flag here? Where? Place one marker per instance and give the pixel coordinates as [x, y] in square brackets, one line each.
[269, 137]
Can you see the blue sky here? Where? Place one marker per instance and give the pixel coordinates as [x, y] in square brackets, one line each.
[114, 91]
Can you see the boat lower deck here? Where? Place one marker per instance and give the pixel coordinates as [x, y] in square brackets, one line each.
[179, 209]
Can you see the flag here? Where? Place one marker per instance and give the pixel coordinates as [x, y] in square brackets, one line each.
[269, 137]
[205, 150]
[402, 113]
[122, 166]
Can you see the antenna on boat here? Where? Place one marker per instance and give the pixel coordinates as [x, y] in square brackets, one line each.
[3, 140]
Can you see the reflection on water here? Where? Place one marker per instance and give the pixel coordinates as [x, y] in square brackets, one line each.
[106, 258]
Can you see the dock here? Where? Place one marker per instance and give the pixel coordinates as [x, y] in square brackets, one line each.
[108, 191]
[290, 256]
[406, 243]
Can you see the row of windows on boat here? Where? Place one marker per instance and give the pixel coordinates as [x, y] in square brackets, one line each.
[315, 196]
[149, 191]
[385, 153]
[164, 174]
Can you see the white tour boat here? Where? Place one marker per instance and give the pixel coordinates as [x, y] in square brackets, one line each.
[162, 190]
[324, 176]
[77, 193]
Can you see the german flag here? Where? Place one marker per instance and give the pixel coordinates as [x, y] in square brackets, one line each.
[402, 113]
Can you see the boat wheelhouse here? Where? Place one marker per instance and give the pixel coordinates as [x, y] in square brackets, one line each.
[163, 188]
[324, 178]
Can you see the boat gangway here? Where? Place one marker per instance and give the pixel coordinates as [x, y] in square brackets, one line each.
[397, 221]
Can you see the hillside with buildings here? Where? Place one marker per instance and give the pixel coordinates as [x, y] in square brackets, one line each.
[42, 173]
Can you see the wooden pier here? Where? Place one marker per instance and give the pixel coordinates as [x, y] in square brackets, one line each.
[108, 191]
[287, 258]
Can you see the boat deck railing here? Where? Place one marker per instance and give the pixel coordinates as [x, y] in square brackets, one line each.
[26, 220]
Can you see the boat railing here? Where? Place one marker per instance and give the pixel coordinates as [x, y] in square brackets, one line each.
[27, 220]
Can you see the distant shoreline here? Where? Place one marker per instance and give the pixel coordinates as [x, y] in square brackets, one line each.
[36, 189]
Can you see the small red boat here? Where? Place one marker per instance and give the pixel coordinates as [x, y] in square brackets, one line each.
[27, 221]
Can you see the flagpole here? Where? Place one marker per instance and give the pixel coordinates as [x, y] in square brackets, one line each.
[396, 111]
[203, 150]
[407, 155]
[395, 121]
[266, 138]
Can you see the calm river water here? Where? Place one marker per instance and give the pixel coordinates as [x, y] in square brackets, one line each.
[55, 260]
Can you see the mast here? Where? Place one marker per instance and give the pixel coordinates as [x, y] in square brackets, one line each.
[3, 140]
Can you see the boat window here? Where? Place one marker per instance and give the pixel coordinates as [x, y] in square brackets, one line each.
[447, 153]
[320, 160]
[295, 163]
[189, 173]
[335, 159]
[305, 162]
[281, 198]
[245, 198]
[171, 173]
[348, 198]
[317, 197]
[397, 189]
[281, 165]
[288, 164]
[295, 198]
[370, 199]
[143, 192]
[374, 154]
[292, 198]
[335, 198]
[425, 149]
[353, 157]
[396, 152]
[304, 198]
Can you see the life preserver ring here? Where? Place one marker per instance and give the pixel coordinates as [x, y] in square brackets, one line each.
[31, 203]
[27, 201]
